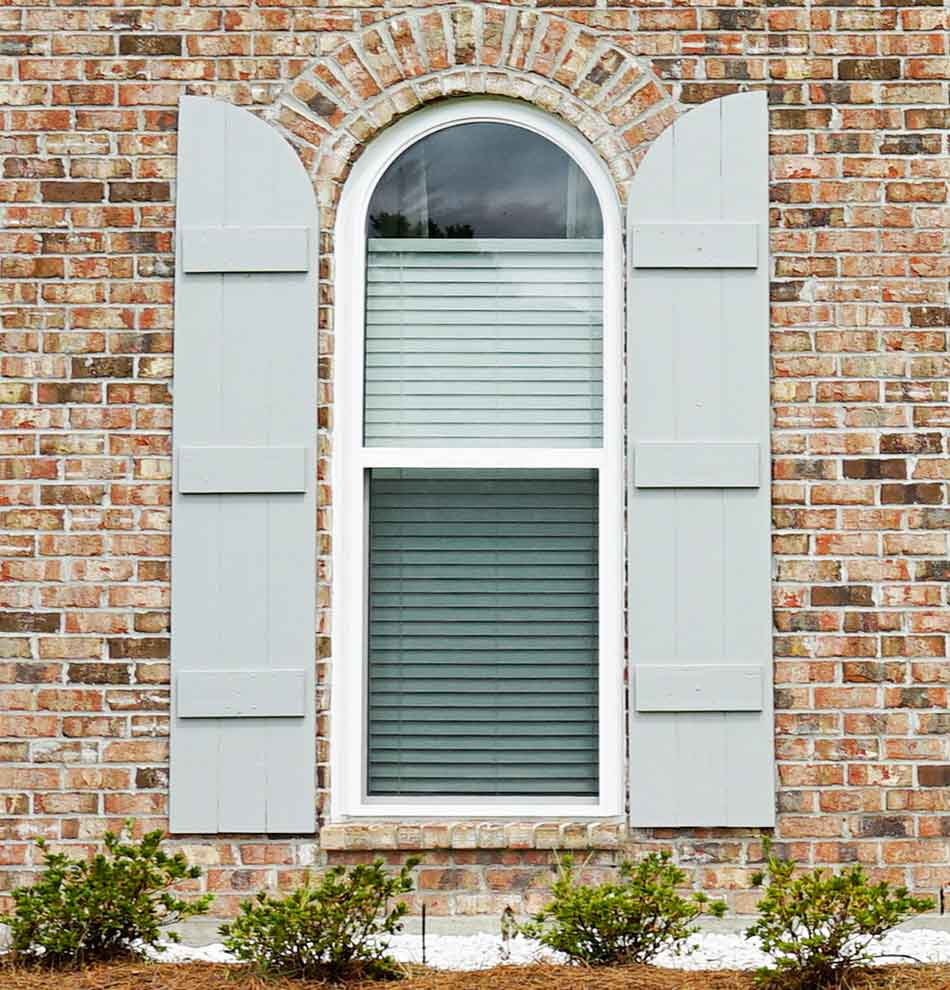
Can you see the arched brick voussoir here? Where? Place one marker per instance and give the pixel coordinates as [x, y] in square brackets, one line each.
[393, 66]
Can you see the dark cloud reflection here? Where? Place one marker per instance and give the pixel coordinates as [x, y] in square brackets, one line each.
[484, 180]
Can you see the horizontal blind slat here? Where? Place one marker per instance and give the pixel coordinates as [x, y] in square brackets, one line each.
[476, 246]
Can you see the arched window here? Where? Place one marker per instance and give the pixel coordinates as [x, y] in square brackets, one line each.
[477, 471]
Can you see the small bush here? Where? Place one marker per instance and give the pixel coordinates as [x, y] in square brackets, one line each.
[817, 926]
[113, 906]
[333, 929]
[618, 923]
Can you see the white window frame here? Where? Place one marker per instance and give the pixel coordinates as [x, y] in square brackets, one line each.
[351, 461]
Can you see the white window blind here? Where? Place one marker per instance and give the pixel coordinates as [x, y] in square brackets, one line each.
[484, 343]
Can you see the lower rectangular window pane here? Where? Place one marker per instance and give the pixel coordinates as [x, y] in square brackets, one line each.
[483, 632]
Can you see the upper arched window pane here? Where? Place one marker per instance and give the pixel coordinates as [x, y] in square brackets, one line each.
[484, 295]
[485, 181]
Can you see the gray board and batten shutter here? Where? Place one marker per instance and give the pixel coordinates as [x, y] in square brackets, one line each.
[701, 729]
[244, 504]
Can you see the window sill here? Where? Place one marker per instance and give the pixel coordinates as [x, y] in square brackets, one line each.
[578, 832]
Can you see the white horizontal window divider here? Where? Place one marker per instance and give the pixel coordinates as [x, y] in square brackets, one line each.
[352, 460]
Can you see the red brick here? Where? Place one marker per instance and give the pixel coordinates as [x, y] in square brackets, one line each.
[72, 192]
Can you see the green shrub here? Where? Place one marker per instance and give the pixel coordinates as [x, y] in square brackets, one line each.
[332, 929]
[113, 906]
[817, 926]
[626, 922]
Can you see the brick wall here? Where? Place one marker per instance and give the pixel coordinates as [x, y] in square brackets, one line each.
[861, 410]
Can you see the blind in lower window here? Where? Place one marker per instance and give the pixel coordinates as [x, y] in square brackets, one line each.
[483, 632]
[492, 342]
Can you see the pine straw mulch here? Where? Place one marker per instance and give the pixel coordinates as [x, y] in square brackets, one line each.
[216, 976]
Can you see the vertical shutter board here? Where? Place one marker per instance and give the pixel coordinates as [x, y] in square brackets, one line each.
[653, 589]
[200, 198]
[192, 802]
[699, 559]
[243, 764]
[748, 603]
[745, 186]
[244, 577]
[243, 565]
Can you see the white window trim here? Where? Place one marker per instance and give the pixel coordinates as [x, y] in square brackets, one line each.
[348, 798]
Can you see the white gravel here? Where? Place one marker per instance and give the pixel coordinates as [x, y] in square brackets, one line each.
[176, 953]
[709, 950]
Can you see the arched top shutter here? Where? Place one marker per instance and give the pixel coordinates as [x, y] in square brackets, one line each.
[701, 737]
[244, 515]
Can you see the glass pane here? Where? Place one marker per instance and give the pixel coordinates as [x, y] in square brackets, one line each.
[484, 296]
[484, 180]
[483, 633]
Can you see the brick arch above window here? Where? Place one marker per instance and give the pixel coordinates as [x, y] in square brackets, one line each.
[398, 64]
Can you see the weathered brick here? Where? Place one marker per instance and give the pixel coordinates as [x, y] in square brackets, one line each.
[150, 44]
[870, 468]
[842, 595]
[98, 673]
[114, 367]
[72, 192]
[140, 649]
[933, 776]
[138, 192]
[869, 68]
[30, 622]
[921, 494]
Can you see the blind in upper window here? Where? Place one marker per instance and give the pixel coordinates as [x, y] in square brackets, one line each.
[483, 632]
[475, 343]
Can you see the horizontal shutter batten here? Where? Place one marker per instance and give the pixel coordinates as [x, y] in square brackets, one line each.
[245, 249]
[244, 470]
[697, 465]
[269, 693]
[694, 245]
